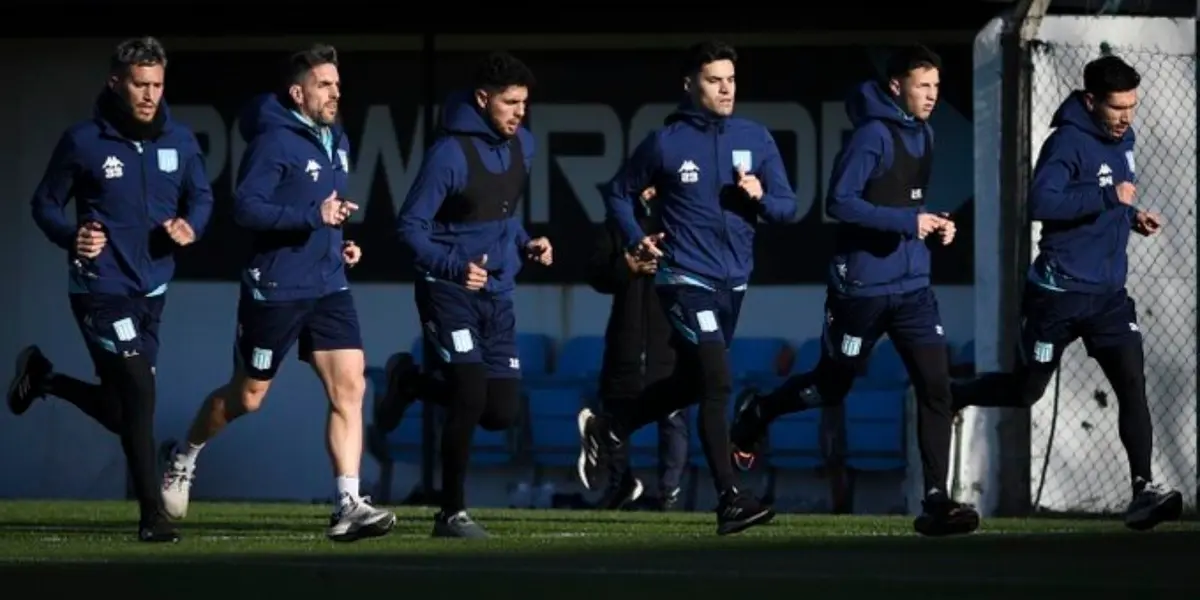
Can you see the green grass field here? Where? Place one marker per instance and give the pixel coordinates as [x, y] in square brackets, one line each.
[235, 549]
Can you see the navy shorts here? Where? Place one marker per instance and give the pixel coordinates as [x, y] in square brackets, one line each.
[268, 330]
[1051, 321]
[853, 325]
[466, 327]
[121, 325]
[699, 314]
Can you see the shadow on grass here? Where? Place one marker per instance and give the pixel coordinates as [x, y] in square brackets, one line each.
[1100, 565]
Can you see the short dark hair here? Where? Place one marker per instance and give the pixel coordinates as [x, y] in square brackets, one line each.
[300, 63]
[500, 70]
[906, 60]
[133, 52]
[704, 53]
[1109, 74]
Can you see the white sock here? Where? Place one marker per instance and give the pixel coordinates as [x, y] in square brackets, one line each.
[189, 452]
[347, 488]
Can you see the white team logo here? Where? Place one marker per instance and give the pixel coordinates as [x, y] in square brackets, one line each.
[168, 160]
[742, 160]
[344, 158]
[1105, 175]
[689, 172]
[1129, 161]
[313, 169]
[113, 168]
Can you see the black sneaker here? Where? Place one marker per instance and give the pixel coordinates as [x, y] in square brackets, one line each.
[599, 447]
[1152, 505]
[668, 499]
[29, 379]
[746, 433]
[158, 531]
[737, 512]
[623, 490]
[457, 525]
[941, 516]
[401, 374]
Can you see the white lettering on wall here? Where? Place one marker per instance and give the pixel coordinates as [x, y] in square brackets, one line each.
[379, 150]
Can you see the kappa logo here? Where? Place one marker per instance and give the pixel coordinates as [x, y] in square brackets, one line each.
[313, 169]
[689, 172]
[113, 168]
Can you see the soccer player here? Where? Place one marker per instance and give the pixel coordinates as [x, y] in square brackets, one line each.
[637, 350]
[715, 175]
[294, 289]
[459, 220]
[879, 279]
[1084, 192]
[140, 193]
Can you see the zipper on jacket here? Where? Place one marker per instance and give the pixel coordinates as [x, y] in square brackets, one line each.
[726, 271]
[141, 150]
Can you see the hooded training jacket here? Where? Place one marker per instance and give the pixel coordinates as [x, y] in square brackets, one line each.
[130, 184]
[290, 167]
[1085, 229]
[708, 221]
[877, 251]
[445, 238]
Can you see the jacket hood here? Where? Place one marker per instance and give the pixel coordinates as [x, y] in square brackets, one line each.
[1073, 112]
[869, 101]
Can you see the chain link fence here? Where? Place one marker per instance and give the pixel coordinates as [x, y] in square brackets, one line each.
[1078, 461]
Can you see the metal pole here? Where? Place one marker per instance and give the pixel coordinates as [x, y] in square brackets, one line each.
[428, 419]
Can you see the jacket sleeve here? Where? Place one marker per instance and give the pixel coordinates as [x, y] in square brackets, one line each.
[261, 171]
[624, 191]
[443, 173]
[197, 191]
[1052, 196]
[607, 269]
[854, 166]
[779, 199]
[54, 192]
[528, 146]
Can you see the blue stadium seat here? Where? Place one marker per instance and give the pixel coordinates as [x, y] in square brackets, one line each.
[875, 430]
[580, 358]
[418, 349]
[965, 354]
[551, 419]
[794, 442]
[808, 354]
[534, 351]
[885, 370]
[756, 357]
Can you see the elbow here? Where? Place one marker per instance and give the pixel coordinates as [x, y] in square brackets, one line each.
[835, 209]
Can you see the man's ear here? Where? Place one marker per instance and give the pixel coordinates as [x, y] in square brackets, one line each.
[481, 98]
[1089, 100]
[894, 86]
[297, 93]
[112, 82]
[687, 84]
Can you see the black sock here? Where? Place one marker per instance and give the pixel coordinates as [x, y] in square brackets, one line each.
[466, 402]
[134, 389]
[1124, 367]
[929, 368]
[90, 398]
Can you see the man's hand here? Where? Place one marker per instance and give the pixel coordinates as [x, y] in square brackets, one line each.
[180, 231]
[90, 240]
[947, 230]
[928, 223]
[335, 210]
[351, 253]
[1126, 192]
[749, 183]
[1147, 223]
[539, 249]
[648, 194]
[647, 249]
[476, 275]
[639, 266]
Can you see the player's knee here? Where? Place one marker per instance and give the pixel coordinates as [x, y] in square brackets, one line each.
[468, 385]
[503, 404]
[248, 393]
[346, 391]
[715, 375]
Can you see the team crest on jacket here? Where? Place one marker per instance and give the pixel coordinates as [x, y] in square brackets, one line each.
[344, 158]
[168, 160]
[742, 159]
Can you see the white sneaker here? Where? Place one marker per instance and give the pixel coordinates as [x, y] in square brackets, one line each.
[358, 519]
[177, 486]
